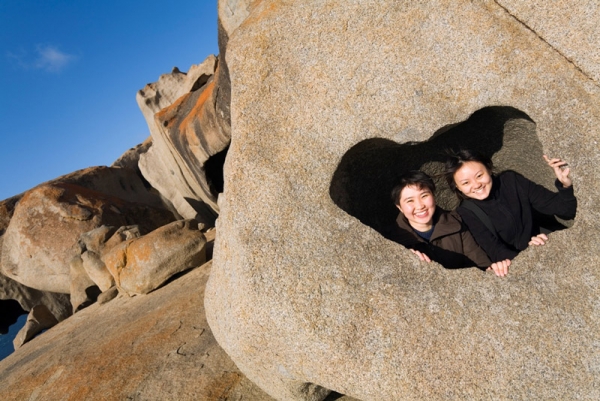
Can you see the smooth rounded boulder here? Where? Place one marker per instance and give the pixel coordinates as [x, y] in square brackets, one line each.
[307, 296]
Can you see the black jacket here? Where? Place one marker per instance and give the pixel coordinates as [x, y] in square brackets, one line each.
[510, 207]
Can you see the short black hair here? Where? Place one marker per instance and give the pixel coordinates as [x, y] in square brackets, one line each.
[413, 177]
[456, 159]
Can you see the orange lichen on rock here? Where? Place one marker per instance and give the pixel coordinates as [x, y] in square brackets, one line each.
[197, 111]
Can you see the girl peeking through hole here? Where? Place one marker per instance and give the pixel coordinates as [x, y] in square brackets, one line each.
[504, 212]
[432, 233]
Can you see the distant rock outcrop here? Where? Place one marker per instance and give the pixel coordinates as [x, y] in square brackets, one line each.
[189, 139]
[27, 297]
[41, 238]
[140, 265]
[305, 298]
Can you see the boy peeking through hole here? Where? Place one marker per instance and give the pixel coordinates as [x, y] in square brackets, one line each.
[432, 233]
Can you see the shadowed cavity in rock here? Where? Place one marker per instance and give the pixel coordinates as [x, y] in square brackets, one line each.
[363, 180]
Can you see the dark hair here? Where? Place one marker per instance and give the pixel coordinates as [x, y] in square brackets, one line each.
[455, 161]
[412, 177]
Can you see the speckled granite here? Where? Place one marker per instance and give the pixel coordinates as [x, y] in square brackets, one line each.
[304, 297]
[570, 27]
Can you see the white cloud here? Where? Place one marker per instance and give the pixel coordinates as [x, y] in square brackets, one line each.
[51, 59]
[48, 58]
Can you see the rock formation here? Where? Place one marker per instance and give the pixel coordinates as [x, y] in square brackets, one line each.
[293, 137]
[157, 346]
[27, 297]
[189, 139]
[39, 319]
[41, 238]
[140, 265]
[306, 293]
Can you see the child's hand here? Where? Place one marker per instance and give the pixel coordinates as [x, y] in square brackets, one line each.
[421, 255]
[560, 170]
[500, 268]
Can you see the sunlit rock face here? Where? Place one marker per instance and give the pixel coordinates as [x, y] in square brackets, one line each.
[26, 297]
[152, 347]
[189, 138]
[306, 293]
[141, 265]
[42, 236]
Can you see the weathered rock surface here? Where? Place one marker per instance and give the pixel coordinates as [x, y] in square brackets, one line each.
[58, 304]
[131, 157]
[186, 133]
[123, 183]
[570, 27]
[152, 347]
[305, 297]
[140, 265]
[39, 319]
[41, 238]
[82, 289]
[96, 244]
[232, 13]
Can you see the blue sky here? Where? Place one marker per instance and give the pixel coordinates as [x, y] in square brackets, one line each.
[69, 73]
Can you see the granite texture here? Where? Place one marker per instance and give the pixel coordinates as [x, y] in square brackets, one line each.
[570, 27]
[151, 347]
[305, 298]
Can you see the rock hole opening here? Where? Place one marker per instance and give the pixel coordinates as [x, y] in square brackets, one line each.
[367, 173]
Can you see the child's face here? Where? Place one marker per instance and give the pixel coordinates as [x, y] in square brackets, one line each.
[418, 206]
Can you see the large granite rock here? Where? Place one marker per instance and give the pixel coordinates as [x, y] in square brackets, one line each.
[305, 298]
[27, 298]
[96, 244]
[152, 347]
[42, 236]
[189, 139]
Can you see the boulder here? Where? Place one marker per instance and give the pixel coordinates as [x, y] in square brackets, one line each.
[96, 243]
[122, 183]
[152, 347]
[186, 135]
[42, 236]
[305, 297]
[142, 264]
[38, 320]
[27, 297]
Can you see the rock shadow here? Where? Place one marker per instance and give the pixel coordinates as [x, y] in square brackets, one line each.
[11, 310]
[366, 174]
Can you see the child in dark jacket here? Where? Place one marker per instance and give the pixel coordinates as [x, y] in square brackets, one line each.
[432, 233]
